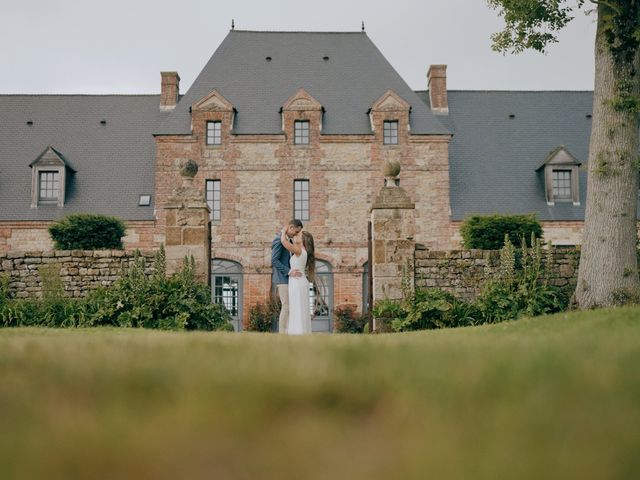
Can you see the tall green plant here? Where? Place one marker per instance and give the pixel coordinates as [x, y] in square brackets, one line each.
[523, 289]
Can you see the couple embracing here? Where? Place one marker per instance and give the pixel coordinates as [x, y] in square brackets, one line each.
[293, 262]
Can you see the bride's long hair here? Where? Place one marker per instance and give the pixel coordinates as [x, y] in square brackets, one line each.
[307, 241]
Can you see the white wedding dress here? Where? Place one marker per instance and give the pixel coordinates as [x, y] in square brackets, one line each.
[299, 314]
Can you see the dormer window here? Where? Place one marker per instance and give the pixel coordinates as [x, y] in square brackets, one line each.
[214, 133]
[561, 182]
[301, 132]
[561, 179]
[49, 186]
[390, 132]
[49, 175]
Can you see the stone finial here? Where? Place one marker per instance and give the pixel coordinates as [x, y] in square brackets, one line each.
[391, 170]
[188, 170]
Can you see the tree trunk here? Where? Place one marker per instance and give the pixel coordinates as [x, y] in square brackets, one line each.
[608, 272]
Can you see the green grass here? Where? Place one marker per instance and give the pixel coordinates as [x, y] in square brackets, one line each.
[552, 397]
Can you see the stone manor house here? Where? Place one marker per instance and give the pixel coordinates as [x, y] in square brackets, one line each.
[293, 124]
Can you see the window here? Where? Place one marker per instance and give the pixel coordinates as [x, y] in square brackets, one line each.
[301, 132]
[213, 199]
[301, 200]
[321, 298]
[561, 180]
[49, 186]
[390, 132]
[144, 201]
[226, 288]
[214, 133]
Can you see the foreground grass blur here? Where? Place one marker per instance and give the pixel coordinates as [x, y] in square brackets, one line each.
[552, 397]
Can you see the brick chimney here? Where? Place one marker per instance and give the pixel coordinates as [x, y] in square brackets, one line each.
[437, 77]
[170, 90]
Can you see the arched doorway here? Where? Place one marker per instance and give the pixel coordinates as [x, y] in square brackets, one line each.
[226, 288]
[321, 298]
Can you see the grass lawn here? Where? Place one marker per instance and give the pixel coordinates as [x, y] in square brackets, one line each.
[546, 398]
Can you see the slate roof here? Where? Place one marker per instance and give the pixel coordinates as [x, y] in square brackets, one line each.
[347, 84]
[493, 158]
[114, 163]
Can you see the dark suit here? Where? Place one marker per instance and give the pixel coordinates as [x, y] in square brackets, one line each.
[280, 261]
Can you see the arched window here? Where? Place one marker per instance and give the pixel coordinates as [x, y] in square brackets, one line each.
[226, 288]
[321, 298]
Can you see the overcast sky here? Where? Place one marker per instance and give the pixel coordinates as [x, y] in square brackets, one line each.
[120, 46]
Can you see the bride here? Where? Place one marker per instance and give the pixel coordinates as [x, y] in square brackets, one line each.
[303, 261]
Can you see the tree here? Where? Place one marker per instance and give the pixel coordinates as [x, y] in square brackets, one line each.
[608, 271]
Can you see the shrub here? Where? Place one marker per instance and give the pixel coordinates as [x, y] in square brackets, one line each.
[487, 232]
[348, 320]
[85, 231]
[264, 316]
[433, 308]
[157, 301]
[386, 312]
[521, 291]
[135, 300]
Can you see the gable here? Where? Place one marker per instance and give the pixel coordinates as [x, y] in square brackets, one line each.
[213, 102]
[390, 101]
[301, 100]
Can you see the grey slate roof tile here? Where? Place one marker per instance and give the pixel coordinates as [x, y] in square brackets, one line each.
[493, 158]
[346, 85]
[114, 162]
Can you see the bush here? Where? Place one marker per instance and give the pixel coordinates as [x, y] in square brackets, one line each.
[135, 300]
[264, 316]
[85, 231]
[520, 291]
[348, 320]
[433, 308]
[170, 303]
[386, 312]
[487, 232]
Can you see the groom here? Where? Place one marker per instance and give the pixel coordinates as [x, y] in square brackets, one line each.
[280, 258]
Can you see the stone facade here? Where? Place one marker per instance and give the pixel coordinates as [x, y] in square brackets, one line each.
[34, 236]
[464, 272]
[80, 270]
[257, 174]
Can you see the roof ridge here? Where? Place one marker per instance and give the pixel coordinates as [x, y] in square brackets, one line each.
[79, 94]
[359, 32]
[511, 91]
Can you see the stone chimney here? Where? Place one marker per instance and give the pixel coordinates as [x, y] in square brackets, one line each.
[437, 76]
[170, 90]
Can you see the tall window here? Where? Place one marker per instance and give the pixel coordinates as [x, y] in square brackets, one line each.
[390, 131]
[226, 288]
[301, 132]
[301, 200]
[49, 186]
[214, 133]
[561, 184]
[213, 199]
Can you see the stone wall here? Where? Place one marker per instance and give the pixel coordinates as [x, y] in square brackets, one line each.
[80, 270]
[464, 272]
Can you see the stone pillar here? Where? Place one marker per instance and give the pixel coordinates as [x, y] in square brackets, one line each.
[188, 228]
[393, 245]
